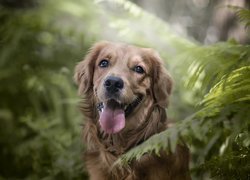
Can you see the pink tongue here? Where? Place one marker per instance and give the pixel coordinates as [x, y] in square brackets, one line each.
[112, 120]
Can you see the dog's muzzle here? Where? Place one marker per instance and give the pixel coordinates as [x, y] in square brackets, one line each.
[113, 111]
[113, 114]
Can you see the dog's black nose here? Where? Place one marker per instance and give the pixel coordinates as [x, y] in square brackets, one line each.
[113, 84]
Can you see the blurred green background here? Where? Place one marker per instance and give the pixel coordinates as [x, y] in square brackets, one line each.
[205, 45]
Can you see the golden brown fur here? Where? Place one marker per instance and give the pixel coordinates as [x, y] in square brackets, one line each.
[147, 119]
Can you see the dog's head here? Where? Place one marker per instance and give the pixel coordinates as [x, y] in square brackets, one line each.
[125, 81]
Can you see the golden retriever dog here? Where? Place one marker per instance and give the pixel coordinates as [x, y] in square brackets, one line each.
[125, 92]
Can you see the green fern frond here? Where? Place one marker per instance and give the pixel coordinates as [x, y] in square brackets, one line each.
[200, 127]
[233, 164]
[243, 14]
[232, 88]
[166, 140]
[230, 95]
[208, 64]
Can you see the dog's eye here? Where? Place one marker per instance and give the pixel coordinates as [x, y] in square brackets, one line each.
[139, 69]
[104, 63]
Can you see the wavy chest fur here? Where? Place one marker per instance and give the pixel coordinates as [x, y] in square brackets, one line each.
[103, 150]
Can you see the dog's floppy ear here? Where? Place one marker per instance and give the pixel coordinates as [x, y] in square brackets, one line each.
[162, 81]
[84, 70]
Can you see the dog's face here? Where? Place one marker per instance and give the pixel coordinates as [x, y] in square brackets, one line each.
[125, 81]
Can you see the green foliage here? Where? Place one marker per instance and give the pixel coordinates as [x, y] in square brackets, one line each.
[243, 14]
[40, 125]
[40, 133]
[231, 165]
[218, 77]
[213, 131]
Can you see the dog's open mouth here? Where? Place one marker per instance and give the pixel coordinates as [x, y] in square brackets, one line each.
[113, 114]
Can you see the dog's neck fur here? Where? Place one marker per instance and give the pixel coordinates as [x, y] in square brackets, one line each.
[108, 148]
[120, 143]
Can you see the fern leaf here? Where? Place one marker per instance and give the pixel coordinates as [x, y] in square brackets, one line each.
[243, 14]
[235, 87]
[208, 64]
[198, 125]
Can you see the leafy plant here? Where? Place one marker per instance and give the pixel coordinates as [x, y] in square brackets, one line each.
[40, 125]
[243, 14]
[220, 73]
[40, 133]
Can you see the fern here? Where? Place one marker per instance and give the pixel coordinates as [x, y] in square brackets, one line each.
[39, 132]
[219, 71]
[235, 88]
[243, 14]
[223, 113]
[207, 65]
